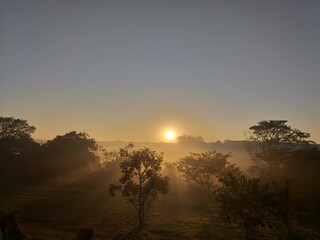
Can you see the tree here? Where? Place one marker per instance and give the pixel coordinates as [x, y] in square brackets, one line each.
[302, 170]
[141, 182]
[73, 152]
[272, 142]
[276, 135]
[15, 136]
[16, 147]
[205, 168]
[243, 202]
[72, 142]
[188, 139]
[280, 205]
[15, 128]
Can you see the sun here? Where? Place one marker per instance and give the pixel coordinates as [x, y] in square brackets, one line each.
[169, 135]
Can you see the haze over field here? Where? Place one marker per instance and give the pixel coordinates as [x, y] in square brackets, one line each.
[131, 70]
[271, 177]
[159, 119]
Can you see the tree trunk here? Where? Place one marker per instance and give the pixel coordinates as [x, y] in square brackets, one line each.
[288, 230]
[141, 214]
[247, 233]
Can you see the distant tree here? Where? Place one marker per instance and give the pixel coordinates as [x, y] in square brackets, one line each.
[111, 157]
[270, 143]
[15, 136]
[276, 135]
[205, 169]
[244, 203]
[141, 182]
[188, 139]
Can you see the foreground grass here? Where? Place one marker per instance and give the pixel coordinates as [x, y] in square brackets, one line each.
[57, 213]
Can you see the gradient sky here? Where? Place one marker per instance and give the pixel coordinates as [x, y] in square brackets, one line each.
[129, 70]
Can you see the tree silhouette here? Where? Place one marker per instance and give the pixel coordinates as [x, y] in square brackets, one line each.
[141, 182]
[15, 128]
[271, 143]
[243, 202]
[205, 168]
[71, 152]
[16, 147]
[302, 169]
[188, 139]
[15, 137]
[280, 205]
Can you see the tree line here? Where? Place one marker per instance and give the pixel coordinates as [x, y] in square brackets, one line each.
[23, 160]
[283, 178]
[265, 196]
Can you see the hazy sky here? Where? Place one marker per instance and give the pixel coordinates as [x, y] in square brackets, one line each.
[129, 70]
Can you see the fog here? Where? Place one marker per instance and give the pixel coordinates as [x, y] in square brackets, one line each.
[174, 151]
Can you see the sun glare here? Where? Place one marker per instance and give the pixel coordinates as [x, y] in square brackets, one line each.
[170, 135]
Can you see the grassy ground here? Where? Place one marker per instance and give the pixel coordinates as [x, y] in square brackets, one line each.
[58, 213]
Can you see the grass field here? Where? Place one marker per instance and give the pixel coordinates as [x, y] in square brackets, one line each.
[58, 213]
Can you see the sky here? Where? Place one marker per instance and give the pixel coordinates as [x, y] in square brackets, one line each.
[130, 70]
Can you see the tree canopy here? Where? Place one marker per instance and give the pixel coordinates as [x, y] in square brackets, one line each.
[205, 168]
[188, 139]
[243, 202]
[15, 128]
[71, 151]
[141, 182]
[72, 142]
[271, 143]
[275, 135]
[15, 137]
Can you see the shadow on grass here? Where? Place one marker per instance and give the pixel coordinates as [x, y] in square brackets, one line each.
[140, 233]
[132, 234]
